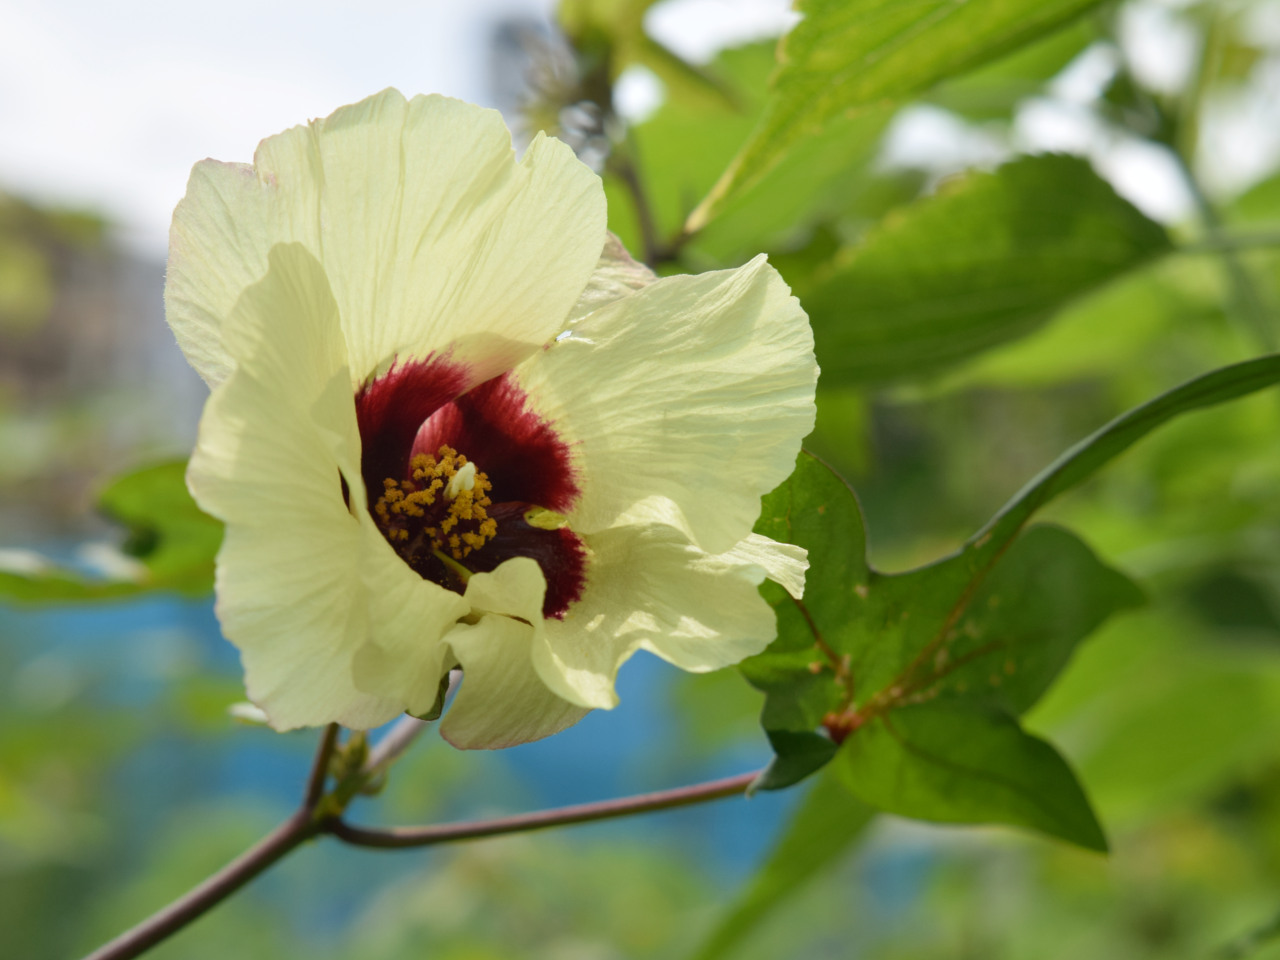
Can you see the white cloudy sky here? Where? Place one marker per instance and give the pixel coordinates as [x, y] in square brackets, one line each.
[109, 104]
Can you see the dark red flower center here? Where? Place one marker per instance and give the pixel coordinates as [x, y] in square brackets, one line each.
[462, 477]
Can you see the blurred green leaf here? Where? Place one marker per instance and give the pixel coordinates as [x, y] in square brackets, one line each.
[683, 81]
[26, 285]
[992, 91]
[683, 147]
[44, 582]
[1105, 331]
[622, 18]
[678, 152]
[1259, 204]
[174, 542]
[957, 762]
[986, 260]
[828, 822]
[172, 536]
[1161, 714]
[828, 175]
[609, 36]
[1233, 600]
[848, 55]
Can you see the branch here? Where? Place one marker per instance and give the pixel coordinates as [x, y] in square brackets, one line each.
[395, 742]
[626, 171]
[320, 768]
[298, 829]
[308, 821]
[1253, 240]
[1251, 942]
[624, 165]
[1249, 303]
[294, 831]
[404, 837]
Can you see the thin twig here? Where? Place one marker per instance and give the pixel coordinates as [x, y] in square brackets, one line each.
[625, 169]
[1250, 943]
[402, 837]
[1249, 303]
[395, 742]
[299, 828]
[294, 831]
[320, 768]
[1253, 240]
[308, 822]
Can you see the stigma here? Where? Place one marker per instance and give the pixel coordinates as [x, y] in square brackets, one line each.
[440, 511]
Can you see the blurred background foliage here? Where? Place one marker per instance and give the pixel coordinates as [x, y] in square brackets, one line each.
[986, 286]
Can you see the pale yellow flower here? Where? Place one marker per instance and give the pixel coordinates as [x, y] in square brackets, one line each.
[446, 429]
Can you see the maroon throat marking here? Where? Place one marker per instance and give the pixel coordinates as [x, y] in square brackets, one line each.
[454, 471]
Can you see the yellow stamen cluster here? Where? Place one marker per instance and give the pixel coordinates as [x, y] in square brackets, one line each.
[458, 523]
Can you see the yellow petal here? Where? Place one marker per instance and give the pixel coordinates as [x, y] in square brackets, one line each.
[274, 440]
[503, 700]
[304, 583]
[696, 389]
[406, 654]
[649, 588]
[430, 233]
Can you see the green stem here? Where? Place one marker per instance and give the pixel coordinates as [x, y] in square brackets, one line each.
[1246, 299]
[624, 168]
[1252, 942]
[1261, 240]
[624, 165]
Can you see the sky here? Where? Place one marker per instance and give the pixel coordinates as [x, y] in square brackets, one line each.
[107, 106]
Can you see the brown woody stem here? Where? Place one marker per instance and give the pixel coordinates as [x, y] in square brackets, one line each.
[309, 821]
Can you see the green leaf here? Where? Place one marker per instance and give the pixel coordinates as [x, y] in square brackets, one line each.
[795, 756]
[848, 55]
[680, 150]
[1046, 594]
[172, 539]
[991, 624]
[956, 762]
[993, 91]
[818, 511]
[986, 629]
[986, 260]
[1101, 333]
[823, 178]
[821, 831]
[683, 81]
[42, 581]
